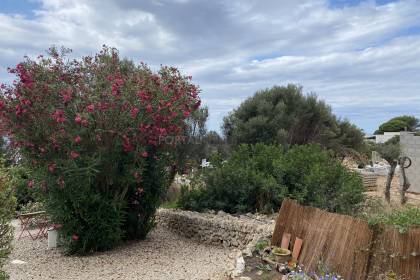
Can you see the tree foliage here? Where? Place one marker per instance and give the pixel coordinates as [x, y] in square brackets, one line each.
[190, 147]
[284, 115]
[401, 123]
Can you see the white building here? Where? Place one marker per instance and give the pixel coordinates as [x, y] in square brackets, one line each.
[382, 138]
[410, 147]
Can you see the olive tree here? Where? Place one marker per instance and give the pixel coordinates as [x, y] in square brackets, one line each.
[390, 151]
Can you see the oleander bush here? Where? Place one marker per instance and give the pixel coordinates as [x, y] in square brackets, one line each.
[7, 207]
[258, 177]
[94, 132]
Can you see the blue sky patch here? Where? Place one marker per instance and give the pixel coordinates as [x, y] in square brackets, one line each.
[22, 7]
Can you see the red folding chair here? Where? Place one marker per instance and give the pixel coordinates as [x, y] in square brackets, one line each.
[28, 219]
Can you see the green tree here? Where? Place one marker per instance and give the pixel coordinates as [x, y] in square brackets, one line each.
[214, 143]
[190, 147]
[284, 115]
[401, 123]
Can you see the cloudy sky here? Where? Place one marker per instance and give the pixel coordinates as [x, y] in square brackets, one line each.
[362, 57]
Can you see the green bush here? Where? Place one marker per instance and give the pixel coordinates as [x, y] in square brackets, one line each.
[20, 177]
[259, 177]
[248, 181]
[313, 177]
[95, 133]
[402, 219]
[7, 206]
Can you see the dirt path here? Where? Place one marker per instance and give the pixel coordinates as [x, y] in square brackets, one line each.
[395, 192]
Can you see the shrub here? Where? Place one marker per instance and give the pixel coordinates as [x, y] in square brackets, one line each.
[19, 180]
[7, 205]
[32, 207]
[402, 219]
[257, 178]
[93, 132]
[315, 178]
[249, 181]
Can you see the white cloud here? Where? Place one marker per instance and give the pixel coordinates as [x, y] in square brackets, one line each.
[362, 58]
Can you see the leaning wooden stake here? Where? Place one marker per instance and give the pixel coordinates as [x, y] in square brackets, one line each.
[296, 249]
[285, 241]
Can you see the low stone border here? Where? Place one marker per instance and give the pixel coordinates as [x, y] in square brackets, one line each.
[241, 233]
[217, 229]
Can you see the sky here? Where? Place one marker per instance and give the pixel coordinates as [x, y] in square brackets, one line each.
[361, 57]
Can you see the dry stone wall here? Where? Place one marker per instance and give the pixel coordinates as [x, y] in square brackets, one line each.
[217, 229]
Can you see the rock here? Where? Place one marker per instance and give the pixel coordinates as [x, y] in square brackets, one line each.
[18, 262]
[221, 213]
[239, 267]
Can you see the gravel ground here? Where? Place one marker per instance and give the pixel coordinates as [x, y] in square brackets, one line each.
[163, 255]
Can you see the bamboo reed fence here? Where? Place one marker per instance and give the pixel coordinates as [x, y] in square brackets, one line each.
[347, 245]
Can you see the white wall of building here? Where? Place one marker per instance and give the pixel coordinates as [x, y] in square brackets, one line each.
[410, 147]
[382, 138]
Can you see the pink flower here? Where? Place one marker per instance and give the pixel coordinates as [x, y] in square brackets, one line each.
[77, 139]
[149, 108]
[127, 145]
[119, 82]
[31, 184]
[134, 112]
[74, 154]
[66, 95]
[186, 114]
[136, 175]
[66, 98]
[145, 154]
[52, 167]
[78, 119]
[58, 116]
[74, 237]
[90, 108]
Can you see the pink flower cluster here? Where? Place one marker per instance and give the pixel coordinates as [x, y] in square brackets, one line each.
[58, 110]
